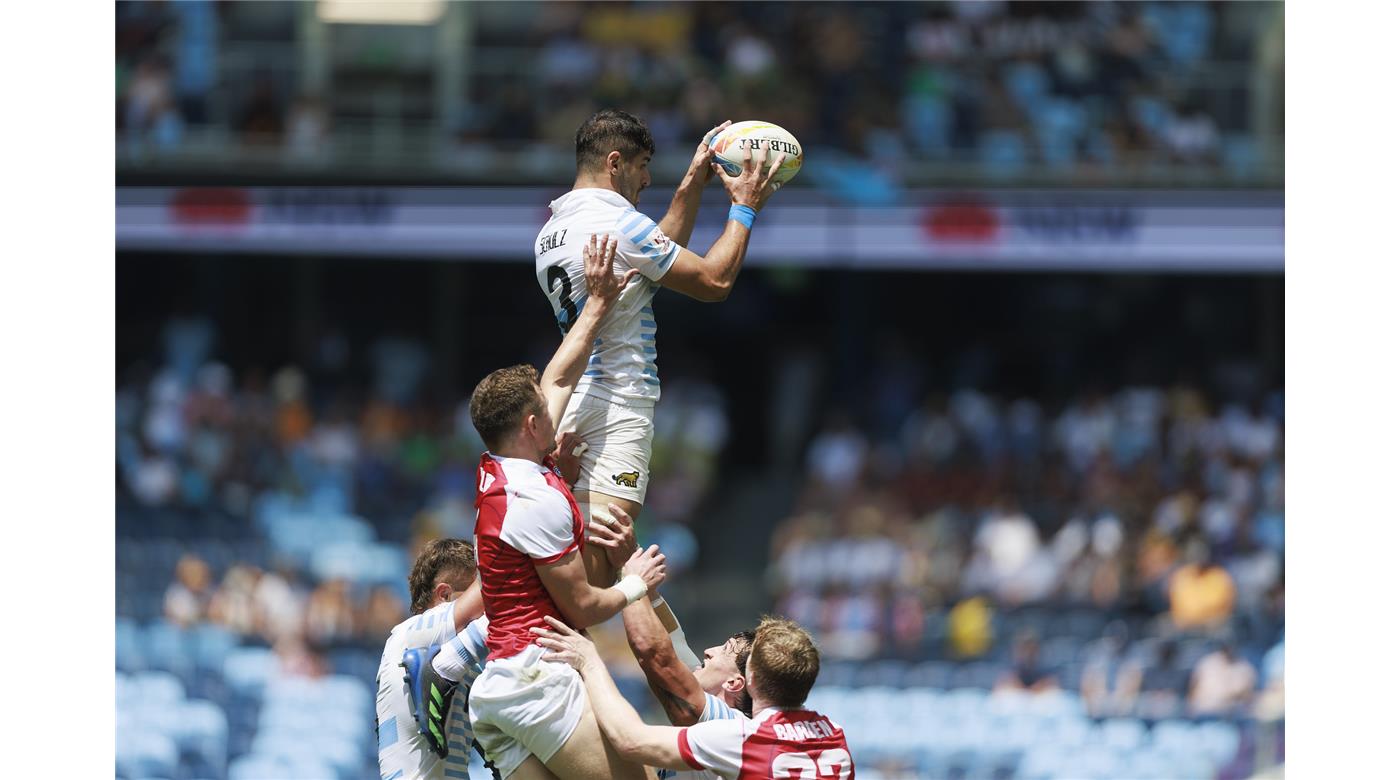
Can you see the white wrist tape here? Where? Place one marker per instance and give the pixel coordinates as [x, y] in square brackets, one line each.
[632, 586]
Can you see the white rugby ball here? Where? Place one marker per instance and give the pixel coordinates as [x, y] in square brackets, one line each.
[756, 136]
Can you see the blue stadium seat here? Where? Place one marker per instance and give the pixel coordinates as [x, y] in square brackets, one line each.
[203, 730]
[928, 122]
[1220, 741]
[159, 688]
[1240, 155]
[889, 673]
[166, 647]
[142, 753]
[837, 673]
[1125, 734]
[1058, 125]
[210, 645]
[131, 656]
[1152, 114]
[929, 674]
[1027, 83]
[247, 669]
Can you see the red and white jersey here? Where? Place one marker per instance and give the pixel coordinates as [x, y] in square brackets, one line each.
[525, 516]
[776, 744]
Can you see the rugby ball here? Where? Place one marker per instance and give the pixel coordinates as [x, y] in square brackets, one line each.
[730, 144]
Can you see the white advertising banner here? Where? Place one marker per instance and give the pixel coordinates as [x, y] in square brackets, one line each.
[1122, 230]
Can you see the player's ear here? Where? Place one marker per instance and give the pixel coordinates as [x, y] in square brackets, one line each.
[443, 591]
[613, 162]
[734, 684]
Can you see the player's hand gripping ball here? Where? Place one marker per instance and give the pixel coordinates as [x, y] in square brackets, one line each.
[730, 143]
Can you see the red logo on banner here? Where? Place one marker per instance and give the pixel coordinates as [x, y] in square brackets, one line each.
[967, 220]
[211, 206]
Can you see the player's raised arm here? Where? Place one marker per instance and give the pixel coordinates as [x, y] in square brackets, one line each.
[633, 739]
[653, 643]
[710, 278]
[565, 369]
[679, 221]
[587, 605]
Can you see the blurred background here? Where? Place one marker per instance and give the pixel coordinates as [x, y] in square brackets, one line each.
[995, 409]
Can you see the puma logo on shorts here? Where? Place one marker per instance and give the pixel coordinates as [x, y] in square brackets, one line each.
[627, 478]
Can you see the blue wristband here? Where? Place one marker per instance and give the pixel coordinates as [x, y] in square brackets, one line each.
[742, 214]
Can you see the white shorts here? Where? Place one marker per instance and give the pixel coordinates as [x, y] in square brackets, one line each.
[619, 446]
[522, 705]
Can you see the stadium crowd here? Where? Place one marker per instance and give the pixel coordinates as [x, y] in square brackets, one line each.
[193, 437]
[1083, 88]
[1129, 546]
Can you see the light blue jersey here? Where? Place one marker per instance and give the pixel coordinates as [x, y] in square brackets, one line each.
[404, 753]
[715, 709]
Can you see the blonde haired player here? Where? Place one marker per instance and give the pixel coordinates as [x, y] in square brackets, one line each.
[784, 739]
[612, 406]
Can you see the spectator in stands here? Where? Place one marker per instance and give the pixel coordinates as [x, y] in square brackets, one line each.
[153, 478]
[1193, 137]
[1222, 683]
[1027, 673]
[837, 455]
[308, 128]
[260, 121]
[330, 614]
[1269, 705]
[1108, 683]
[970, 632]
[1158, 685]
[1202, 592]
[234, 604]
[187, 598]
[281, 605]
[384, 611]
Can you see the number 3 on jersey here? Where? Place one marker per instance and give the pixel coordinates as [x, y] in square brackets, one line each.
[834, 763]
[566, 296]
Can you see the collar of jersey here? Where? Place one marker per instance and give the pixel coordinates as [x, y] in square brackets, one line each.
[591, 192]
[502, 459]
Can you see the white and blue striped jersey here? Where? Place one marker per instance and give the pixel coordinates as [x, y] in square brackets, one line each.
[715, 709]
[622, 367]
[404, 753]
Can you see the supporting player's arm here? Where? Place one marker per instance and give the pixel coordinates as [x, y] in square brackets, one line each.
[659, 648]
[468, 606]
[710, 278]
[673, 684]
[586, 605]
[633, 739]
[679, 221]
[565, 369]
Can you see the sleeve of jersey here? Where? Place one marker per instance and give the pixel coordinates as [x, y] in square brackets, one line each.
[470, 646]
[540, 524]
[644, 247]
[716, 709]
[716, 746]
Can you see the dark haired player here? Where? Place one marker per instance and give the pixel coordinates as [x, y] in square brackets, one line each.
[612, 406]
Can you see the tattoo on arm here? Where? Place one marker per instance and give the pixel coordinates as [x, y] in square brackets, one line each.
[679, 709]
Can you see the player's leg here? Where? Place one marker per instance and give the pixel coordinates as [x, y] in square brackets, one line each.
[587, 755]
[613, 470]
[532, 769]
[595, 560]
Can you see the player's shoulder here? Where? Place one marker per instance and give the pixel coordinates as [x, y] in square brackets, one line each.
[408, 630]
[528, 485]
